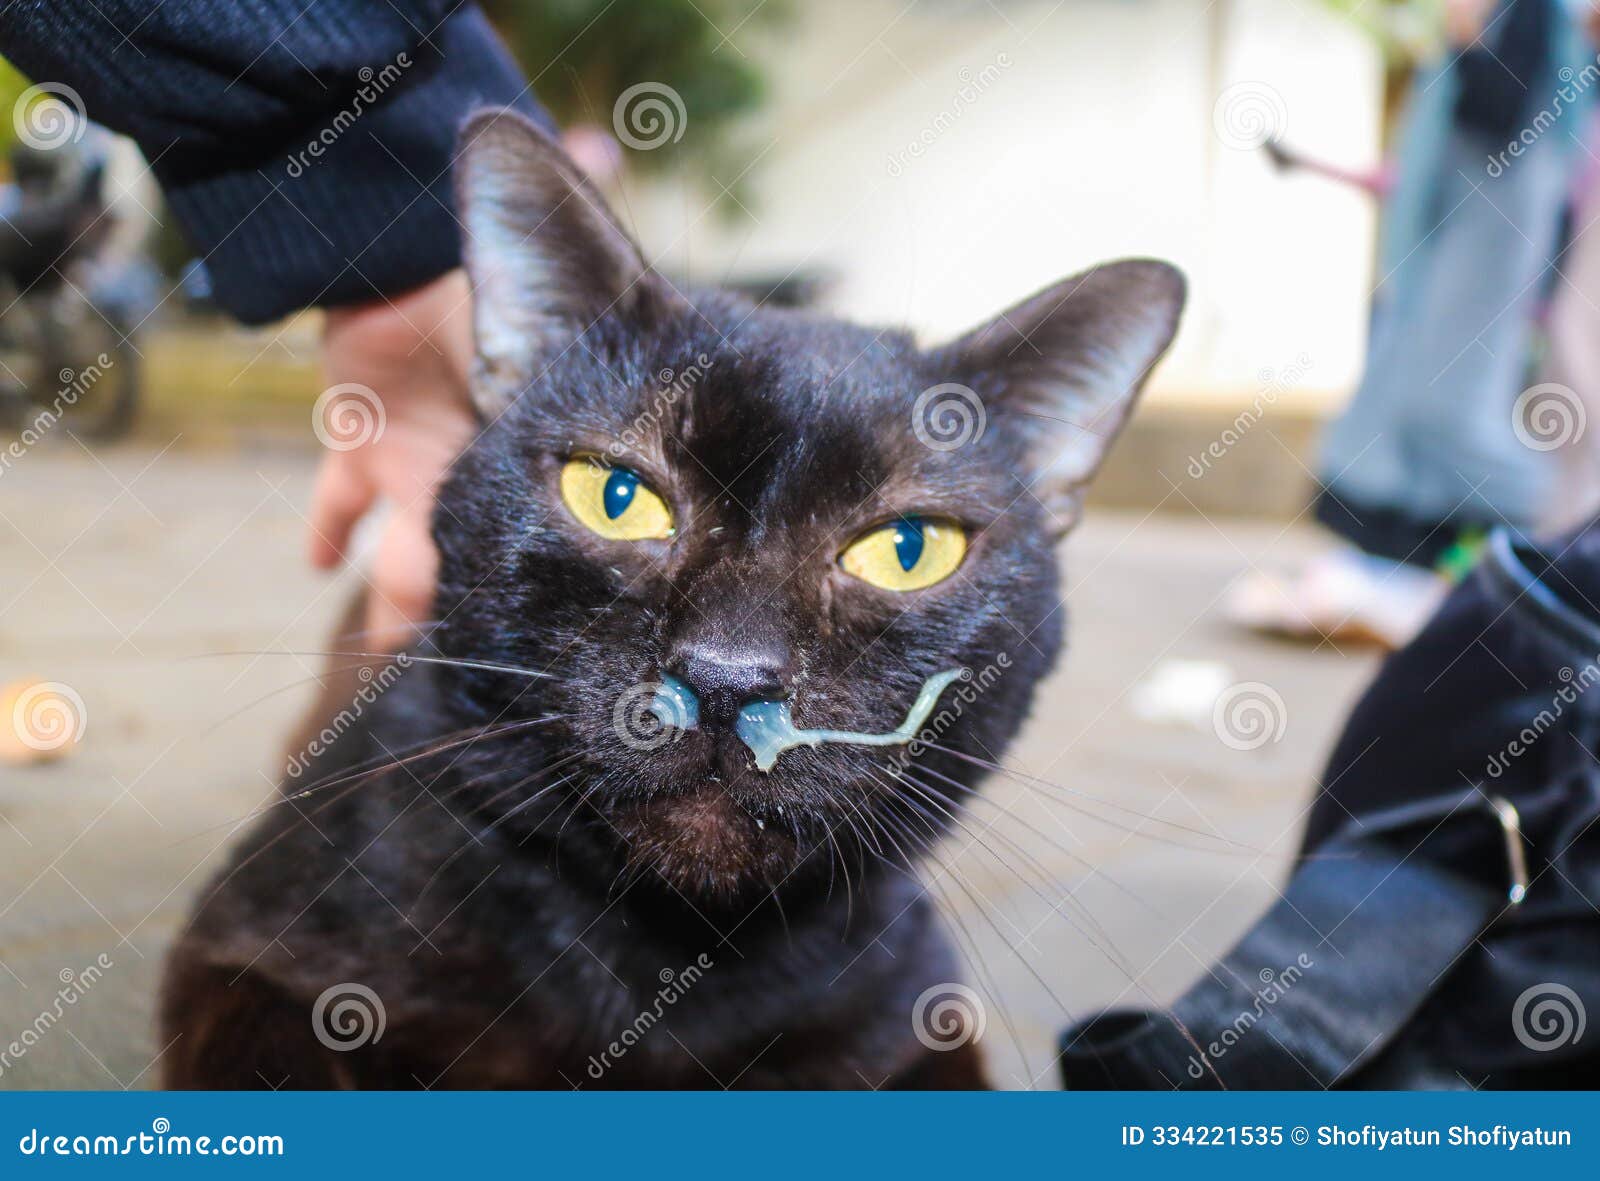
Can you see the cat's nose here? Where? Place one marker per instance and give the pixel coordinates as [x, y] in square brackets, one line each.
[725, 678]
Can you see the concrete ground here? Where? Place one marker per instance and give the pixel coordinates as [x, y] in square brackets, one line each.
[126, 573]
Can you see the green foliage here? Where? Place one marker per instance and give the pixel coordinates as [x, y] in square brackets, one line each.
[582, 54]
[12, 84]
[1407, 30]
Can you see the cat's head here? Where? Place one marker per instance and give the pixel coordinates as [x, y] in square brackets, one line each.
[763, 504]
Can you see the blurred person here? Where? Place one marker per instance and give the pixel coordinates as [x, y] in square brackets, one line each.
[1426, 459]
[306, 150]
[1572, 346]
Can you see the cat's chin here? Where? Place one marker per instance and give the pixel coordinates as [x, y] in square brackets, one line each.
[703, 843]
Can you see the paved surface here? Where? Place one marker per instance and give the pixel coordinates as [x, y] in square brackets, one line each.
[123, 572]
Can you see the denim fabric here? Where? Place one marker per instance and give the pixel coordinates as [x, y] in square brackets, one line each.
[1468, 243]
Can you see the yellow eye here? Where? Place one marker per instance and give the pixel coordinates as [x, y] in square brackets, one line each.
[614, 502]
[907, 555]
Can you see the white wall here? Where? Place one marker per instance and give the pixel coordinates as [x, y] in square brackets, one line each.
[1054, 135]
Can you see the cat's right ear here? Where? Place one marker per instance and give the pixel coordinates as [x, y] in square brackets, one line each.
[545, 257]
[1066, 366]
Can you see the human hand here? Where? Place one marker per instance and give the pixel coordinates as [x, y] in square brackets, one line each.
[396, 414]
[1464, 20]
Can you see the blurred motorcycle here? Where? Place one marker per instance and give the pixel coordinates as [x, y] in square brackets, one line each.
[68, 307]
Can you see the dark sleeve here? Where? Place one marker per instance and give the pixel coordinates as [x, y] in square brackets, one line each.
[304, 145]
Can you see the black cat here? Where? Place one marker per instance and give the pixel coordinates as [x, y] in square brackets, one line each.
[509, 872]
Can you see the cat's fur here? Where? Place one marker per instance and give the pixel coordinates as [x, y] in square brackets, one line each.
[512, 937]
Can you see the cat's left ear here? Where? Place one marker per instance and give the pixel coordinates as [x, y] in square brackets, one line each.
[1065, 367]
[546, 258]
